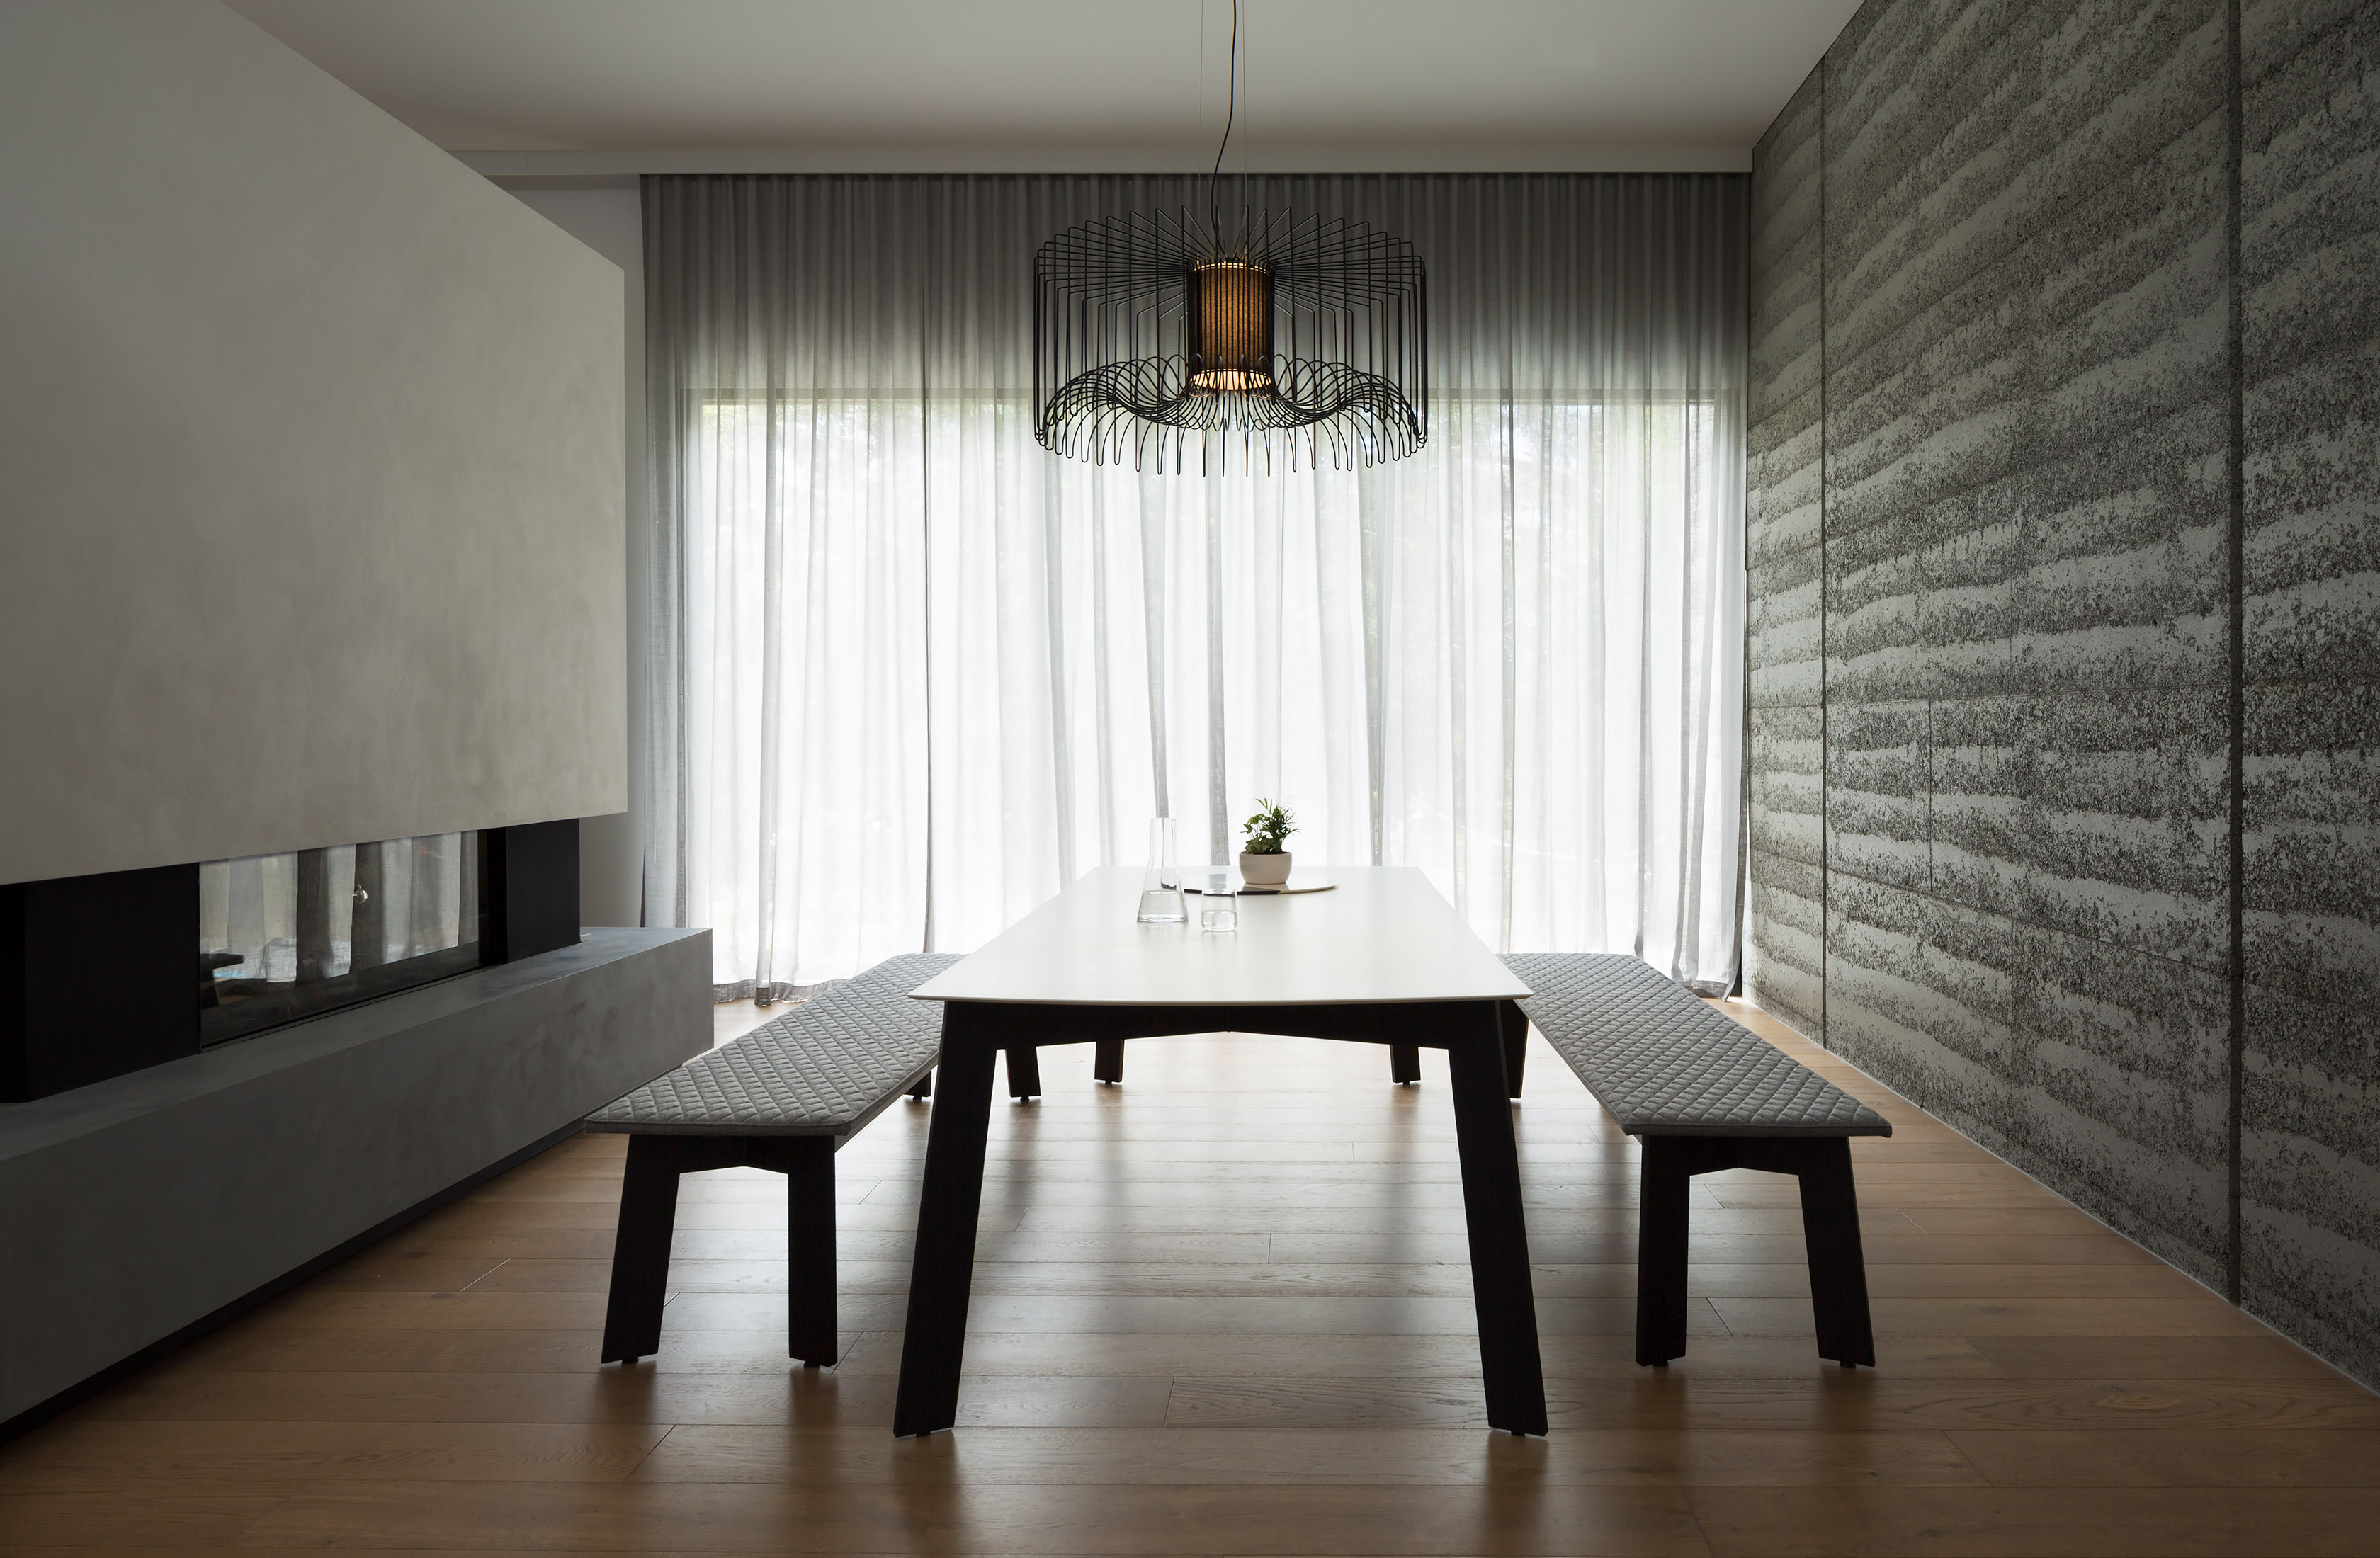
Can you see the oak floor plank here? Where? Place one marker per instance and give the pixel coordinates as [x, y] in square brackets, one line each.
[1141, 1279]
[2004, 1222]
[318, 1308]
[1780, 1279]
[2174, 1457]
[2198, 1314]
[1615, 1457]
[762, 1391]
[1075, 1315]
[2023, 1523]
[1885, 1165]
[2259, 1358]
[1575, 1360]
[1556, 1222]
[1235, 1518]
[256, 1349]
[849, 1191]
[1879, 1191]
[1862, 1406]
[895, 1180]
[1874, 1404]
[423, 1242]
[132, 1516]
[1961, 1280]
[1232, 1198]
[387, 1271]
[1093, 1247]
[1868, 1151]
[98, 1449]
[1905, 1247]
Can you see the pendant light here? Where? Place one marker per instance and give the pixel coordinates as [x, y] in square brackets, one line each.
[1156, 333]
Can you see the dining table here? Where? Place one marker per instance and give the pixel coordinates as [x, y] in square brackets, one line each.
[1382, 958]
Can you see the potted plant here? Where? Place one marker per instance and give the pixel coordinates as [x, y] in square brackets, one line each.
[1264, 862]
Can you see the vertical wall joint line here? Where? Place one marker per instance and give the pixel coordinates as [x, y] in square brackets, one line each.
[1825, 860]
[2236, 593]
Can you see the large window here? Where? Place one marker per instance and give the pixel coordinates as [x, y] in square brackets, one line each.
[914, 674]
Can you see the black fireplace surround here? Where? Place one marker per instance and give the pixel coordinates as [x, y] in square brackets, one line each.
[101, 975]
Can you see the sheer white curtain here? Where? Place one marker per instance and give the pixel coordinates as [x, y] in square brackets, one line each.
[913, 674]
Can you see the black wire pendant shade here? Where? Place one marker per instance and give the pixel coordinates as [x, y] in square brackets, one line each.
[1153, 333]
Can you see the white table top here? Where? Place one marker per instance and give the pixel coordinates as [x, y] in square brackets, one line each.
[1382, 934]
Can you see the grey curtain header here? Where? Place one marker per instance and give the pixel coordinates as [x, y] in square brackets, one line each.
[1539, 282]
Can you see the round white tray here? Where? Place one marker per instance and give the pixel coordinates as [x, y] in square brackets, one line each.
[1299, 882]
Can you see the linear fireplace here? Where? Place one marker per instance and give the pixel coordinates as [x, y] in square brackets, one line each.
[104, 974]
[284, 937]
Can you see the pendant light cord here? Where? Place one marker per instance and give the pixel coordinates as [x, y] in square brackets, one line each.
[1230, 113]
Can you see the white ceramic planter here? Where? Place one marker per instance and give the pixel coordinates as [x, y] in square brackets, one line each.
[1264, 871]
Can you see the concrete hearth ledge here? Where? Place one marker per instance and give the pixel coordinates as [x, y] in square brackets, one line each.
[134, 1208]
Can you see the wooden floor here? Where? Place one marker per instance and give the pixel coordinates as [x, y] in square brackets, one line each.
[1224, 1309]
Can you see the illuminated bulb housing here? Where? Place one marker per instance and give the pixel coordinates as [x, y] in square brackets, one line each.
[1231, 327]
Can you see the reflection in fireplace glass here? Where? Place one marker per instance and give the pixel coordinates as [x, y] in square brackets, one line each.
[291, 935]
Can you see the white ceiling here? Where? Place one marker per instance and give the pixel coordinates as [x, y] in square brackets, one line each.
[618, 86]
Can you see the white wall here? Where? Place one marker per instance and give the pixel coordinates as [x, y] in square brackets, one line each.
[311, 525]
[611, 849]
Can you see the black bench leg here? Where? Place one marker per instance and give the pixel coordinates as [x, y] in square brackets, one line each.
[1107, 1060]
[1838, 1270]
[1024, 1072]
[942, 1269]
[810, 1251]
[1404, 1064]
[1501, 1292]
[1515, 1026]
[1665, 1188]
[924, 1088]
[640, 1251]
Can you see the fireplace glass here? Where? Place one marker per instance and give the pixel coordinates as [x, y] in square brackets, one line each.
[286, 936]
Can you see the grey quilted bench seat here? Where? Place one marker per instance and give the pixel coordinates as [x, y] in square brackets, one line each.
[1703, 1094]
[783, 1097]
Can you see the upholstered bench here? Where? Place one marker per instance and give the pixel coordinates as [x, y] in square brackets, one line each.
[1703, 1094]
[783, 1097]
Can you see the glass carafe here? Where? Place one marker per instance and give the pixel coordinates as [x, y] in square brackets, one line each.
[1160, 884]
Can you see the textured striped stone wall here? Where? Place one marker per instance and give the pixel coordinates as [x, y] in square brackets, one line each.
[2310, 332]
[2020, 469]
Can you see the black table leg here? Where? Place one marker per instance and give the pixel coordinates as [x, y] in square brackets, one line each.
[1515, 1025]
[942, 1269]
[1107, 1060]
[809, 1251]
[1404, 1064]
[1024, 1072]
[1501, 1288]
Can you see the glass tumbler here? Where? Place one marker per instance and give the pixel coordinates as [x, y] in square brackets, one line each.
[1160, 886]
[1218, 904]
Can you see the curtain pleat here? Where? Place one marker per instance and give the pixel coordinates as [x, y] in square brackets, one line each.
[911, 674]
